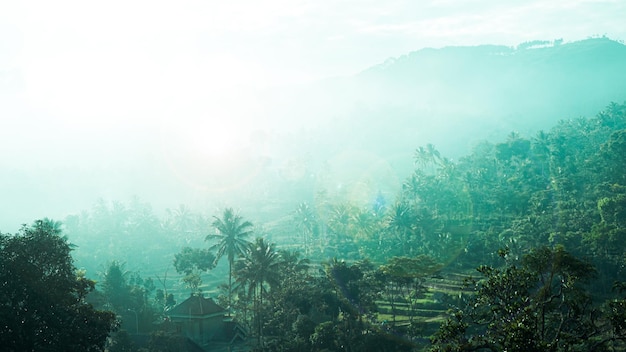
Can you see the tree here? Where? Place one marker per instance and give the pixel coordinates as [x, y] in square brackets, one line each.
[425, 156]
[42, 300]
[115, 286]
[306, 223]
[540, 305]
[289, 304]
[324, 338]
[614, 153]
[356, 288]
[260, 265]
[126, 293]
[183, 222]
[192, 262]
[402, 222]
[232, 231]
[121, 342]
[167, 341]
[406, 280]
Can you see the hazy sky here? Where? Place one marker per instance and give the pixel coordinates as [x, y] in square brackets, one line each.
[81, 81]
[104, 63]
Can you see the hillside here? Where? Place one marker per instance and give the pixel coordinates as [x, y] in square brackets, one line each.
[455, 96]
[354, 136]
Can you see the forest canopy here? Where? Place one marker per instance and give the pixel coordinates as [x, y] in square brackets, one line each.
[518, 245]
[43, 297]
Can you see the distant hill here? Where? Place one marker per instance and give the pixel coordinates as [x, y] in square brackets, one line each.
[454, 96]
[576, 78]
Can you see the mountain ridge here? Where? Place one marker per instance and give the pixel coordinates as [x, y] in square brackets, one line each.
[455, 98]
[590, 44]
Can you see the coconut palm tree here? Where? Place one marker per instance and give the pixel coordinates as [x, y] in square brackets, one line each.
[182, 219]
[306, 223]
[292, 264]
[231, 234]
[260, 265]
[541, 150]
[402, 221]
[421, 157]
[55, 227]
[433, 154]
[427, 156]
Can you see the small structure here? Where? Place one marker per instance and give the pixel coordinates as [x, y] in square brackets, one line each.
[204, 322]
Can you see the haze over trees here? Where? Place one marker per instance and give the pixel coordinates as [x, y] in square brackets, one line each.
[516, 243]
[540, 218]
[452, 98]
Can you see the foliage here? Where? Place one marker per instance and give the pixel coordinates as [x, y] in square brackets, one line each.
[259, 266]
[541, 305]
[164, 300]
[232, 231]
[116, 230]
[121, 342]
[42, 300]
[164, 341]
[534, 196]
[306, 223]
[404, 278]
[127, 294]
[193, 261]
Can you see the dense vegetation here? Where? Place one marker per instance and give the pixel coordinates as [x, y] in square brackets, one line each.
[43, 298]
[543, 219]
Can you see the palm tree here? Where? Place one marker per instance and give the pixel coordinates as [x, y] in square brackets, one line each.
[402, 221]
[261, 265]
[433, 154]
[292, 265]
[427, 156]
[364, 223]
[306, 223]
[421, 157]
[541, 150]
[182, 219]
[231, 235]
[446, 169]
[55, 227]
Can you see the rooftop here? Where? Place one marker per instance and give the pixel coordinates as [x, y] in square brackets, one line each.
[196, 306]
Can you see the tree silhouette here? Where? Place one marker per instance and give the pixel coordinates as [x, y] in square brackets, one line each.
[43, 298]
[427, 156]
[232, 231]
[306, 222]
[542, 303]
[260, 265]
[192, 262]
[402, 221]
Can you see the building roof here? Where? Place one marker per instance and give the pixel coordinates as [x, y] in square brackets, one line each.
[196, 307]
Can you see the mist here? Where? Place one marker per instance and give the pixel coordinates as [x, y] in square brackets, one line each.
[218, 147]
[136, 126]
[91, 110]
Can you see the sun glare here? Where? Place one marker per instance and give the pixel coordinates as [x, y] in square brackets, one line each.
[208, 156]
[216, 142]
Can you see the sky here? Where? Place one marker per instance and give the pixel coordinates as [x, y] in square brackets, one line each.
[84, 82]
[103, 63]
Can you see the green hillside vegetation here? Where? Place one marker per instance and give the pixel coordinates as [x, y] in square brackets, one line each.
[542, 217]
[454, 97]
